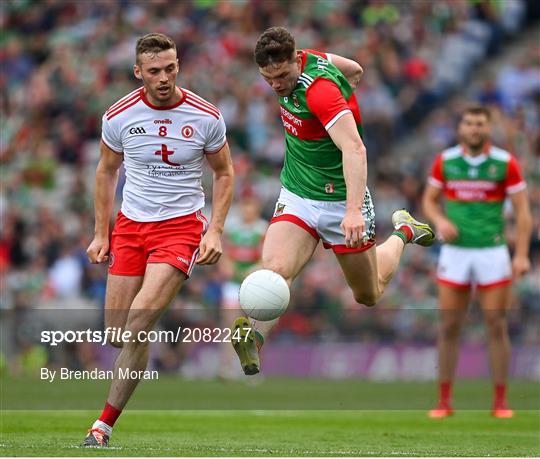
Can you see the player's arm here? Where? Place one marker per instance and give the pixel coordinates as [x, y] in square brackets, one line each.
[520, 262]
[104, 190]
[351, 70]
[431, 203]
[344, 134]
[327, 103]
[222, 194]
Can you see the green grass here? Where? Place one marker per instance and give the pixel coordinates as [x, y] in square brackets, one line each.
[267, 432]
[173, 393]
[274, 433]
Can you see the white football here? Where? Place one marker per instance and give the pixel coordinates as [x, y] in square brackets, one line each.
[264, 295]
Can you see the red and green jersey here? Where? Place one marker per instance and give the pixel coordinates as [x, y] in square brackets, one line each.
[313, 165]
[243, 243]
[475, 189]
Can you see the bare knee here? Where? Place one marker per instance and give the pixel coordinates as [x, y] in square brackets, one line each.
[114, 326]
[116, 343]
[450, 330]
[281, 269]
[135, 331]
[366, 298]
[496, 327]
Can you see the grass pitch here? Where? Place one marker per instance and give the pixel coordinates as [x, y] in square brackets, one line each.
[267, 432]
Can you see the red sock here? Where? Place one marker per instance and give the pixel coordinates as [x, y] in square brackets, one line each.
[110, 414]
[445, 391]
[407, 232]
[500, 393]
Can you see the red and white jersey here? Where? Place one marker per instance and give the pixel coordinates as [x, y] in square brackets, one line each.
[163, 151]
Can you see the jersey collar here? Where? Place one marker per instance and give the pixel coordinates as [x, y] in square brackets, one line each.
[475, 160]
[303, 54]
[165, 107]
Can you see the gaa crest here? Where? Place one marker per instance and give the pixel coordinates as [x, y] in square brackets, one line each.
[279, 209]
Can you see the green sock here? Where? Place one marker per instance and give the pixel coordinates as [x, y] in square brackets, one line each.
[401, 236]
[259, 336]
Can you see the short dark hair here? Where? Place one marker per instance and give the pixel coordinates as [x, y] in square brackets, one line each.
[477, 110]
[153, 43]
[275, 45]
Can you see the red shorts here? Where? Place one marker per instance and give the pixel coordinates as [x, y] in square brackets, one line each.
[174, 241]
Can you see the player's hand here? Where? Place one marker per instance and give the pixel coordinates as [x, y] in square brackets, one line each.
[210, 248]
[353, 226]
[98, 250]
[520, 266]
[446, 230]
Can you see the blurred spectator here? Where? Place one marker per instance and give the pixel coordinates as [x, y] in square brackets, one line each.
[65, 274]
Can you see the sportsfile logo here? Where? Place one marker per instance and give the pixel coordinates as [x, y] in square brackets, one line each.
[119, 335]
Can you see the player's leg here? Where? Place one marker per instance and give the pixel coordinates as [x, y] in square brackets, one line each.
[121, 291]
[367, 273]
[453, 302]
[127, 264]
[172, 248]
[494, 272]
[454, 275]
[229, 311]
[160, 285]
[408, 230]
[286, 250]
[494, 303]
[369, 269]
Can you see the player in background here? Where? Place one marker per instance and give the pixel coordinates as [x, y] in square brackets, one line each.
[475, 178]
[242, 243]
[324, 194]
[161, 133]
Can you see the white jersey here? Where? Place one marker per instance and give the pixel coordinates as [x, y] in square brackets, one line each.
[163, 151]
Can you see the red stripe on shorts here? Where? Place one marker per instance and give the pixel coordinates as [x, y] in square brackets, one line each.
[297, 221]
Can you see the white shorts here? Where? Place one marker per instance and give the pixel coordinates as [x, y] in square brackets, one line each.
[462, 267]
[322, 219]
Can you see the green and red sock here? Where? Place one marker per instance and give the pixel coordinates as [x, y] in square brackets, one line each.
[404, 233]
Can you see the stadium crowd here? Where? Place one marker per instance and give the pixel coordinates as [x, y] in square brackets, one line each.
[63, 63]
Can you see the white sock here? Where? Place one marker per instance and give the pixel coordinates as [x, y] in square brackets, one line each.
[105, 427]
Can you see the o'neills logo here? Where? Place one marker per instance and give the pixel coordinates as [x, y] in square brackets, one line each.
[167, 121]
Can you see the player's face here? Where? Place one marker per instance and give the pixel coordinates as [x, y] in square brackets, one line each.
[283, 76]
[158, 72]
[250, 210]
[474, 130]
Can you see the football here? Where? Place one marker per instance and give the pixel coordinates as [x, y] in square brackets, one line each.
[264, 295]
